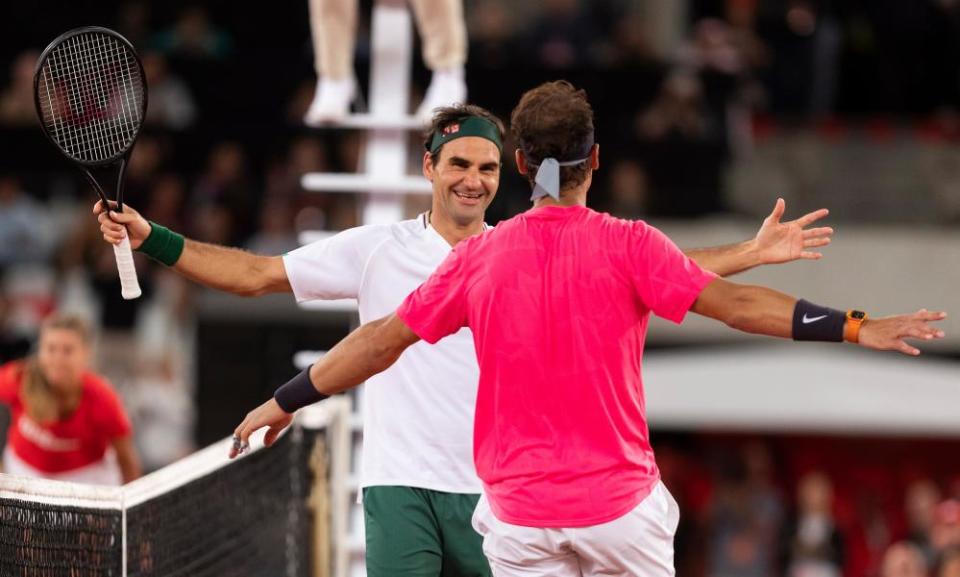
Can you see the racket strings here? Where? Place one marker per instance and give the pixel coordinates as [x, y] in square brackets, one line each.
[91, 95]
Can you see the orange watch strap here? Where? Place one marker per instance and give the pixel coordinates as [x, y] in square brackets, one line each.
[851, 328]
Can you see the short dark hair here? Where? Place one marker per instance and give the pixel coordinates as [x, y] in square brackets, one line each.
[447, 115]
[554, 120]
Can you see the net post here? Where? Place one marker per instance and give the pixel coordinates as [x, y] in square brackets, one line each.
[319, 504]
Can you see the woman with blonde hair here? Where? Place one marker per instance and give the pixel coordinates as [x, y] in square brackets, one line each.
[66, 422]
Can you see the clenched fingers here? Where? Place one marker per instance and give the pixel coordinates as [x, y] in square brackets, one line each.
[98, 207]
[241, 438]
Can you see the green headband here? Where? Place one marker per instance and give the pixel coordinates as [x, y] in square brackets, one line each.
[469, 126]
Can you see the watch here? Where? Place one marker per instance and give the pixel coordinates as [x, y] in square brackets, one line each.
[851, 328]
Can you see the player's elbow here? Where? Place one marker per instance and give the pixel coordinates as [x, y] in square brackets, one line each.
[254, 290]
[388, 340]
[267, 275]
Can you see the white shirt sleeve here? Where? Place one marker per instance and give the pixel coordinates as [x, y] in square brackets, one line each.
[332, 268]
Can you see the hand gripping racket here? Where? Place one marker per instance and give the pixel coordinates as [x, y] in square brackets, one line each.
[91, 96]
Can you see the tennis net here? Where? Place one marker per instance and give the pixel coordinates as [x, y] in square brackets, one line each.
[203, 516]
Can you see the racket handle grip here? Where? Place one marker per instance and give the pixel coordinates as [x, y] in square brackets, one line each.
[129, 285]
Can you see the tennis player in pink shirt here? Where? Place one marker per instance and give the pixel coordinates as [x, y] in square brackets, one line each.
[558, 300]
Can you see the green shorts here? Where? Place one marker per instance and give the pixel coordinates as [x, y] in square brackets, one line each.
[421, 533]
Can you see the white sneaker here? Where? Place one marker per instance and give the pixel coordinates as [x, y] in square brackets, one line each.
[447, 88]
[331, 101]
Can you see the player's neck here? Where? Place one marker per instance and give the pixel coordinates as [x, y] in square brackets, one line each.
[572, 197]
[451, 231]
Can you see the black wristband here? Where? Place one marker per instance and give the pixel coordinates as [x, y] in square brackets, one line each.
[816, 323]
[298, 392]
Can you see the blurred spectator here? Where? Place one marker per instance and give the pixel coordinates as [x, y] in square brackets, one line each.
[949, 565]
[306, 154]
[315, 210]
[805, 38]
[171, 104]
[16, 101]
[631, 45]
[146, 161]
[13, 345]
[25, 234]
[276, 235]
[903, 559]
[165, 201]
[163, 411]
[920, 503]
[214, 223]
[945, 533]
[67, 423]
[30, 294]
[133, 21]
[813, 545]
[492, 28]
[869, 533]
[719, 62]
[746, 518]
[224, 193]
[564, 36]
[677, 112]
[682, 149]
[712, 48]
[629, 190]
[192, 37]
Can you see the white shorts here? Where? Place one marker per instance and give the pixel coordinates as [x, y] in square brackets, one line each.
[638, 543]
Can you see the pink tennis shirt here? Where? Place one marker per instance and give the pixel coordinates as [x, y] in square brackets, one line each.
[558, 299]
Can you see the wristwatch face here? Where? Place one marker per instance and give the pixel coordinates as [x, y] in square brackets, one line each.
[858, 315]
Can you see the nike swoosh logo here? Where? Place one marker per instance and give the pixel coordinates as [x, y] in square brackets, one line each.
[807, 321]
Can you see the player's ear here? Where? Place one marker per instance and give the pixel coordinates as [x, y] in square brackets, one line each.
[521, 162]
[428, 166]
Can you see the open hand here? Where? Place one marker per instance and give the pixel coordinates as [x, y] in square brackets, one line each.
[779, 242]
[888, 333]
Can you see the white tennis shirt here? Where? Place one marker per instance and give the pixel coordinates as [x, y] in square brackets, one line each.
[418, 414]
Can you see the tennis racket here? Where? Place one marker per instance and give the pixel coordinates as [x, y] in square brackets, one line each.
[91, 96]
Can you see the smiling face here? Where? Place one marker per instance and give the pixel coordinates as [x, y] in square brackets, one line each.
[465, 179]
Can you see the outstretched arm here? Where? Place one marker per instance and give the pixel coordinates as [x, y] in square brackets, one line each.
[227, 269]
[759, 310]
[365, 352]
[776, 242]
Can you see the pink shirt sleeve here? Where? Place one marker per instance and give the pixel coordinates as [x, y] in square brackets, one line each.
[439, 306]
[667, 280]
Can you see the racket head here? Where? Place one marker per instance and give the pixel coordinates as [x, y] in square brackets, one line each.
[90, 92]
